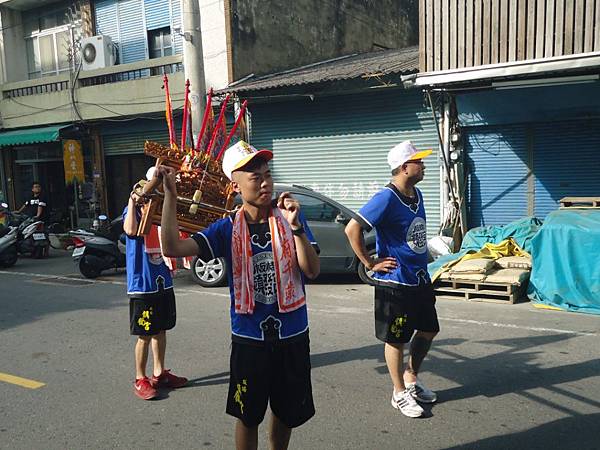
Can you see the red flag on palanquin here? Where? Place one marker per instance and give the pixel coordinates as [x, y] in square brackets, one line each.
[208, 125]
[186, 115]
[220, 134]
[241, 133]
[239, 122]
[169, 114]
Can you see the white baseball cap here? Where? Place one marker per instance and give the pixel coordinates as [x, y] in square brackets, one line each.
[150, 173]
[403, 152]
[240, 154]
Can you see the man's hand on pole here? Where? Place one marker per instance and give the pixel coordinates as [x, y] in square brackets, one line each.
[168, 177]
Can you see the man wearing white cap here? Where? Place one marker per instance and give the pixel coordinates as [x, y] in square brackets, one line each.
[404, 298]
[269, 251]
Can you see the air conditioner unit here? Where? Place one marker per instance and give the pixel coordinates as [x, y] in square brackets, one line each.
[97, 52]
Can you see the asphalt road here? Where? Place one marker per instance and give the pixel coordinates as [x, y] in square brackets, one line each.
[507, 376]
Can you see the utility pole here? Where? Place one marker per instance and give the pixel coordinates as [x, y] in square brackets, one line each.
[193, 62]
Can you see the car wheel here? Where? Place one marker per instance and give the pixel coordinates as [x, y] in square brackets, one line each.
[87, 270]
[365, 275]
[210, 273]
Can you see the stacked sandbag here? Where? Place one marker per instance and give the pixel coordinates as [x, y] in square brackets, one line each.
[508, 276]
[506, 270]
[471, 269]
[514, 262]
[511, 269]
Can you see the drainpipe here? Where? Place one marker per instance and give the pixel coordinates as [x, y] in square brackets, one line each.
[446, 181]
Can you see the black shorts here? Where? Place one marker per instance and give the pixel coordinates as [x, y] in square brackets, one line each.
[152, 313]
[400, 311]
[277, 373]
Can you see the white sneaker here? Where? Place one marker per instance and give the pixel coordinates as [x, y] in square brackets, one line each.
[420, 393]
[407, 405]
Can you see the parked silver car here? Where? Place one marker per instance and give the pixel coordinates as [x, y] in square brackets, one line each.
[327, 220]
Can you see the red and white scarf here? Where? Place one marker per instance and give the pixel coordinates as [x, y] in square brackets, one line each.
[153, 246]
[290, 292]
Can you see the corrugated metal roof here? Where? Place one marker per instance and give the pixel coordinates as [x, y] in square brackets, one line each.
[357, 65]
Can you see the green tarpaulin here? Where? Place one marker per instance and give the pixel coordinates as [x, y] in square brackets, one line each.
[31, 135]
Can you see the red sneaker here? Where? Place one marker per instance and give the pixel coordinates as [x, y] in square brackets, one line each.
[143, 389]
[168, 380]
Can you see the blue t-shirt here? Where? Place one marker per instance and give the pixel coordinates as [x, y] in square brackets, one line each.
[401, 233]
[266, 322]
[145, 273]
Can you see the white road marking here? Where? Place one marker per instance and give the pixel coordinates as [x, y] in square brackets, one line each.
[337, 309]
[346, 310]
[103, 281]
[59, 277]
[518, 327]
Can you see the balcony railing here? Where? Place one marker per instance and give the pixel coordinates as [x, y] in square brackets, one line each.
[113, 74]
[132, 71]
[44, 87]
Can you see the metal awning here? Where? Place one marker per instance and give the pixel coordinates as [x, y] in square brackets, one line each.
[512, 70]
[31, 135]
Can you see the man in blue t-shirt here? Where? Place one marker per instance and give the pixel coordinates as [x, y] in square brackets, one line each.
[151, 305]
[404, 298]
[269, 250]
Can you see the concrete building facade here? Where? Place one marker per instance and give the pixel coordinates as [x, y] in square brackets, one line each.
[48, 96]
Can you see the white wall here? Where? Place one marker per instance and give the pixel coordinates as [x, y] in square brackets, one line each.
[12, 46]
[214, 43]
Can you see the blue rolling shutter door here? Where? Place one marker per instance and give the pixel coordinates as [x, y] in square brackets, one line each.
[129, 138]
[497, 174]
[566, 162]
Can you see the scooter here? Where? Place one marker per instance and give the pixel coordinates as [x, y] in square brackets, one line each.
[8, 238]
[32, 238]
[98, 250]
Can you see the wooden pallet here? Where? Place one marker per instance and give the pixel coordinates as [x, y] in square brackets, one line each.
[580, 202]
[481, 291]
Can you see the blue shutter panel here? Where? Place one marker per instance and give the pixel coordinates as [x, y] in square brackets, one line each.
[157, 14]
[127, 22]
[566, 162]
[176, 23]
[497, 174]
[133, 34]
[106, 19]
